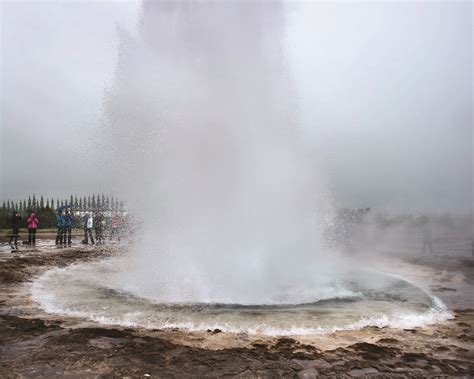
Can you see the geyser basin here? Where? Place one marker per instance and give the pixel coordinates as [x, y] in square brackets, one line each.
[350, 301]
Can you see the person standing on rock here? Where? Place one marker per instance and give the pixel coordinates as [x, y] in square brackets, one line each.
[99, 227]
[68, 227]
[16, 223]
[33, 223]
[88, 223]
[116, 224]
[427, 236]
[61, 225]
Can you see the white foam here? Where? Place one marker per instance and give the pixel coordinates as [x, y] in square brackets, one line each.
[52, 293]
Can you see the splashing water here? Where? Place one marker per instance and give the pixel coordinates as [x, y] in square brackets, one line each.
[203, 137]
[349, 302]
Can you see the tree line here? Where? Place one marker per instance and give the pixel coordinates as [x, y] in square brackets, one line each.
[46, 208]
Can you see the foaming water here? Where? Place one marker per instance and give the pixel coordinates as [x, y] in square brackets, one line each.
[349, 302]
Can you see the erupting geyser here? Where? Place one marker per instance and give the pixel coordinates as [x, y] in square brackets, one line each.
[203, 131]
[202, 138]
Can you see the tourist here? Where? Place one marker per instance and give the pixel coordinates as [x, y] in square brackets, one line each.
[15, 222]
[33, 223]
[88, 223]
[60, 223]
[99, 227]
[116, 224]
[427, 235]
[68, 227]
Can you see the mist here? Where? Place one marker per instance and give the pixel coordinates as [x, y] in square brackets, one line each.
[382, 93]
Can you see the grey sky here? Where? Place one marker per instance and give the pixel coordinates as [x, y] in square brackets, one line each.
[391, 86]
[384, 93]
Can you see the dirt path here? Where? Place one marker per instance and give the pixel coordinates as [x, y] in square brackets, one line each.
[34, 344]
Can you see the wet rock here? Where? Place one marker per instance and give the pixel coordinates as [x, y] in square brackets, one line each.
[363, 372]
[442, 289]
[215, 331]
[308, 373]
[388, 340]
[413, 357]
[139, 340]
[313, 363]
[372, 351]
[260, 345]
[285, 343]
[465, 337]
[105, 342]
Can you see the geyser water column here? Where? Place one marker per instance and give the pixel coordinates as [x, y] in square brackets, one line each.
[204, 143]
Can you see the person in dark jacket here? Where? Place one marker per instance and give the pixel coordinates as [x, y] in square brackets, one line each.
[15, 222]
[99, 227]
[68, 227]
[61, 225]
[33, 223]
[427, 236]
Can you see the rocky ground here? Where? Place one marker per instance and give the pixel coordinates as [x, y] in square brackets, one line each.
[34, 344]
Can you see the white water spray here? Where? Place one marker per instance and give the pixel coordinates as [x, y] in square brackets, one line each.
[204, 141]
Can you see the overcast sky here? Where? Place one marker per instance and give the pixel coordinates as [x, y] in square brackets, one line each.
[384, 90]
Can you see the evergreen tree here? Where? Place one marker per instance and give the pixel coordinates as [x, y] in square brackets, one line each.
[71, 202]
[80, 204]
[99, 204]
[34, 201]
[41, 202]
[93, 204]
[84, 204]
[116, 208]
[8, 206]
[47, 203]
[62, 203]
[76, 204]
[29, 202]
[121, 206]
[102, 201]
[24, 204]
[3, 215]
[107, 203]
[89, 203]
[57, 203]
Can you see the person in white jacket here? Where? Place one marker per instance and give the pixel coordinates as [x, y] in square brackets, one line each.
[88, 222]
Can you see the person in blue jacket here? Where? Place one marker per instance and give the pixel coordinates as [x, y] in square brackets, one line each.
[61, 224]
[68, 227]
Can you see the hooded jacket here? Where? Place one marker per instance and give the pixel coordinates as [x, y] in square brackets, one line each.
[16, 221]
[60, 221]
[32, 221]
[68, 220]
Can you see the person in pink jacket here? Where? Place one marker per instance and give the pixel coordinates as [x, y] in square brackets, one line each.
[33, 223]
